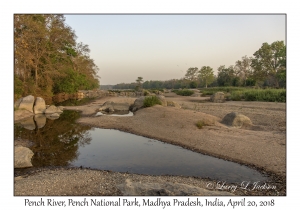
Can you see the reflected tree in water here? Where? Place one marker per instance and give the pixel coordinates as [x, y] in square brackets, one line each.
[57, 143]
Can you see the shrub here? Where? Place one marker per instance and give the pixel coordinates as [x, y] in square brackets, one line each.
[249, 94]
[184, 92]
[200, 124]
[151, 101]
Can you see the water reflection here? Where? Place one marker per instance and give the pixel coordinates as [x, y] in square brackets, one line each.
[57, 142]
[62, 142]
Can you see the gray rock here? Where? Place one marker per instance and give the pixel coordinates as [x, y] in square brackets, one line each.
[121, 106]
[162, 100]
[130, 188]
[28, 123]
[22, 157]
[17, 103]
[27, 103]
[236, 120]
[52, 109]
[139, 102]
[52, 116]
[39, 106]
[110, 107]
[218, 97]
[40, 120]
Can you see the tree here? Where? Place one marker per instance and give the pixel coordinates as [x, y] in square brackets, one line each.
[269, 60]
[139, 81]
[225, 75]
[243, 68]
[206, 75]
[46, 55]
[191, 74]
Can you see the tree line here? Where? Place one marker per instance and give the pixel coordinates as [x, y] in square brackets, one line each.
[267, 68]
[47, 58]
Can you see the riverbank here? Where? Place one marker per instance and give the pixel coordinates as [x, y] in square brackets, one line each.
[263, 149]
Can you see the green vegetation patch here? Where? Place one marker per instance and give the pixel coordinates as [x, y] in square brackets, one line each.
[151, 101]
[248, 94]
[200, 124]
[184, 92]
[74, 102]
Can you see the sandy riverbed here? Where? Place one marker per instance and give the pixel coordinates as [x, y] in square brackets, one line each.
[263, 148]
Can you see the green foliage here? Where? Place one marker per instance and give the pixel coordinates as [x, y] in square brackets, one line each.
[249, 94]
[211, 91]
[151, 101]
[193, 84]
[191, 74]
[72, 82]
[184, 92]
[200, 124]
[74, 102]
[269, 60]
[206, 75]
[18, 88]
[47, 58]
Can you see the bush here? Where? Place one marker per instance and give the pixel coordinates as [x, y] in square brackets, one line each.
[249, 94]
[200, 124]
[151, 101]
[184, 92]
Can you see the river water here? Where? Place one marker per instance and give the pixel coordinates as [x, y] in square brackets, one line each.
[62, 142]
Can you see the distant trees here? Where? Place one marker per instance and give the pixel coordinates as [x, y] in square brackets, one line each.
[139, 81]
[269, 63]
[267, 68]
[206, 75]
[46, 57]
[243, 68]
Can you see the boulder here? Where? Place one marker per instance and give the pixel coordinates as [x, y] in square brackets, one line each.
[40, 120]
[27, 103]
[39, 106]
[110, 106]
[130, 188]
[53, 109]
[22, 114]
[173, 104]
[52, 116]
[218, 97]
[236, 120]
[17, 103]
[162, 100]
[22, 157]
[121, 106]
[139, 102]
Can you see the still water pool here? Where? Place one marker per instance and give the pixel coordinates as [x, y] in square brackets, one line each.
[62, 142]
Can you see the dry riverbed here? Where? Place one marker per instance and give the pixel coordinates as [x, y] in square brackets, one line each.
[263, 148]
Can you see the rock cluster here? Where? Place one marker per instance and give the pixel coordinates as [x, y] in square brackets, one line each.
[111, 107]
[36, 106]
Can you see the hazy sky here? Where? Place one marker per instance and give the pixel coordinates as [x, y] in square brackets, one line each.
[162, 47]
